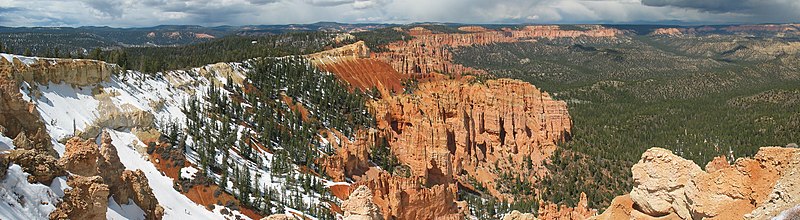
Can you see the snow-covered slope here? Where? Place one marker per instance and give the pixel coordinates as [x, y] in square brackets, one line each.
[176, 205]
[70, 111]
[128, 105]
[22, 200]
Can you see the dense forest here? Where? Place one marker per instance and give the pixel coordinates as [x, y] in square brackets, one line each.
[628, 95]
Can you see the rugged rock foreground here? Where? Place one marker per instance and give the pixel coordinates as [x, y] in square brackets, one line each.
[667, 186]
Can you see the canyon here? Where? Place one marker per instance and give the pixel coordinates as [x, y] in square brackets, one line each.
[451, 130]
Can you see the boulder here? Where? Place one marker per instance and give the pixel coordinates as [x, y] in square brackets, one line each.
[42, 167]
[80, 157]
[88, 199]
[516, 215]
[359, 205]
[277, 217]
[660, 180]
[669, 187]
[138, 190]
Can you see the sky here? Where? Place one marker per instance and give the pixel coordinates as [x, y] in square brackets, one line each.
[143, 13]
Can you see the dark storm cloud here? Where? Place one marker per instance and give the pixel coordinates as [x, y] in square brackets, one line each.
[716, 6]
[751, 10]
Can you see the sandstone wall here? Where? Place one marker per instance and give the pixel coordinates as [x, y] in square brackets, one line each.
[16, 115]
[429, 53]
[74, 72]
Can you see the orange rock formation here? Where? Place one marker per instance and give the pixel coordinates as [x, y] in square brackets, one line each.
[549, 211]
[429, 53]
[447, 131]
[669, 187]
[451, 127]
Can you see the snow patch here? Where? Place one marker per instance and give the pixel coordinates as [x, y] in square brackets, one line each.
[24, 59]
[188, 172]
[63, 109]
[129, 211]
[22, 200]
[6, 143]
[176, 205]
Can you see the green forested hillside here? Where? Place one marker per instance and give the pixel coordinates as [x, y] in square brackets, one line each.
[629, 94]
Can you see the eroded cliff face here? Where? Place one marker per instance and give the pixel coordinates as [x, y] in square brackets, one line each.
[779, 30]
[406, 198]
[453, 133]
[550, 211]
[667, 186]
[447, 129]
[450, 133]
[352, 64]
[18, 116]
[88, 199]
[429, 53]
[85, 159]
[43, 71]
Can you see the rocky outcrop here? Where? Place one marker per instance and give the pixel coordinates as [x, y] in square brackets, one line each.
[137, 188]
[18, 116]
[666, 185]
[473, 29]
[555, 31]
[454, 127]
[347, 52]
[4, 163]
[447, 132]
[428, 53]
[352, 64]
[277, 217]
[406, 198]
[667, 32]
[351, 158]
[359, 206]
[39, 141]
[785, 194]
[516, 215]
[42, 167]
[136, 120]
[112, 169]
[85, 158]
[232, 71]
[71, 71]
[548, 211]
[366, 74]
[779, 30]
[80, 157]
[87, 199]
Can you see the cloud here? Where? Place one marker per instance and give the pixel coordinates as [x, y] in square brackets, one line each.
[127, 13]
[716, 6]
[747, 10]
[262, 2]
[356, 4]
[111, 8]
